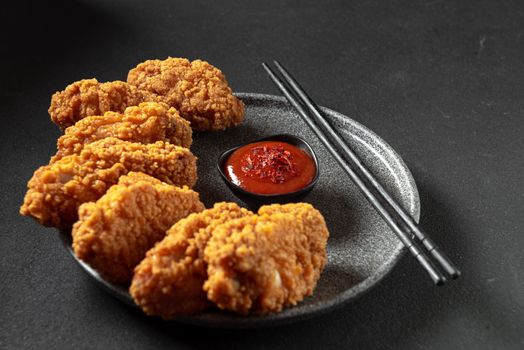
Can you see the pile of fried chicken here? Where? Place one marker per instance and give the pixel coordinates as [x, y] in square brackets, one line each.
[121, 180]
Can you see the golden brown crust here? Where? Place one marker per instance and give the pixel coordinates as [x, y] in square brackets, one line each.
[56, 191]
[264, 262]
[146, 123]
[114, 233]
[168, 282]
[89, 97]
[197, 89]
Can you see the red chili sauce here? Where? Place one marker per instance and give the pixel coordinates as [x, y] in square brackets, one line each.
[270, 167]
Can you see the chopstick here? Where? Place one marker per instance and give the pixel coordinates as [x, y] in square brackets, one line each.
[384, 203]
[430, 246]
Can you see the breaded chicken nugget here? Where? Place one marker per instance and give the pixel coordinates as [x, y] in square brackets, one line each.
[198, 90]
[168, 282]
[146, 123]
[264, 262]
[114, 233]
[56, 191]
[89, 97]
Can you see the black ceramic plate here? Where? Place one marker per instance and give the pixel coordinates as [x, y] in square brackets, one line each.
[361, 248]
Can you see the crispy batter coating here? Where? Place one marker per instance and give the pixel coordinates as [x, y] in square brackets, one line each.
[56, 191]
[168, 282]
[146, 123]
[89, 97]
[197, 89]
[114, 233]
[264, 262]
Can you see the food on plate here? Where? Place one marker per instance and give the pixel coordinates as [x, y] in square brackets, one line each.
[270, 167]
[121, 180]
[240, 261]
[261, 263]
[56, 190]
[89, 97]
[146, 123]
[168, 282]
[114, 233]
[198, 90]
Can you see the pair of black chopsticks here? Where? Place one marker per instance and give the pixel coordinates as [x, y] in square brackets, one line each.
[395, 216]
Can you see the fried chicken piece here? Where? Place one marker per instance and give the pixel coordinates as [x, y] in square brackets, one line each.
[198, 90]
[168, 282]
[89, 97]
[264, 262]
[146, 123]
[114, 233]
[56, 191]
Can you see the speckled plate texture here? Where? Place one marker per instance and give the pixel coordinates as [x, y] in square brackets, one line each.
[361, 248]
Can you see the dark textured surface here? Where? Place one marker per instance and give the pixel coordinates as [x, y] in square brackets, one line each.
[361, 247]
[440, 81]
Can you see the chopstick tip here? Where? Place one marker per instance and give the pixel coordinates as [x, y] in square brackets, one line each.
[456, 274]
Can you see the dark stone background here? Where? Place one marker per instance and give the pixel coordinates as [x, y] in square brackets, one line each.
[441, 81]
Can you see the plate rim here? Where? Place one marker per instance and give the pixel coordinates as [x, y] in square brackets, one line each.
[341, 299]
